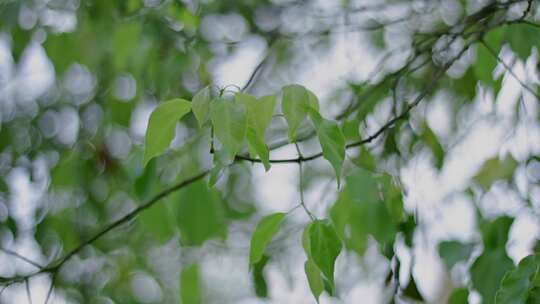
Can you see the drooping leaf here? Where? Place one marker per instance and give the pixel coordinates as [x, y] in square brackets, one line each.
[220, 160]
[487, 272]
[229, 121]
[495, 233]
[314, 279]
[453, 252]
[325, 247]
[494, 170]
[190, 286]
[200, 214]
[362, 211]
[411, 290]
[486, 61]
[259, 281]
[294, 104]
[485, 277]
[157, 220]
[522, 38]
[432, 142]
[259, 111]
[263, 234]
[459, 296]
[313, 101]
[161, 126]
[259, 116]
[201, 105]
[332, 141]
[517, 283]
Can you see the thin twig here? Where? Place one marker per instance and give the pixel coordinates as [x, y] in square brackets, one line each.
[27, 287]
[21, 257]
[301, 185]
[509, 69]
[51, 287]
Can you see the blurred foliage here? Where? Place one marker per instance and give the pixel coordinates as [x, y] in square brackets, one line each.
[141, 165]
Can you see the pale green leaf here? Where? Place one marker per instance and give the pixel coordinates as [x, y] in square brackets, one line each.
[259, 116]
[263, 234]
[200, 214]
[315, 281]
[325, 247]
[201, 105]
[295, 105]
[229, 121]
[332, 141]
[494, 170]
[190, 286]
[161, 126]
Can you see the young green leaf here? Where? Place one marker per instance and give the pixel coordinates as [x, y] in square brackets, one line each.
[259, 281]
[315, 281]
[263, 234]
[332, 141]
[229, 121]
[325, 247]
[161, 126]
[259, 116]
[459, 296]
[517, 283]
[494, 170]
[294, 104]
[201, 105]
[453, 252]
[190, 289]
[200, 214]
[487, 272]
[259, 112]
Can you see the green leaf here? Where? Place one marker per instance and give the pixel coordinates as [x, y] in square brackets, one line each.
[517, 283]
[200, 214]
[485, 276]
[259, 281]
[495, 233]
[229, 121]
[494, 170]
[157, 220]
[161, 126]
[432, 142]
[263, 234]
[362, 186]
[294, 104]
[411, 291]
[201, 105]
[220, 160]
[315, 281]
[313, 101]
[522, 38]
[259, 117]
[332, 141]
[325, 247]
[259, 112]
[190, 286]
[453, 252]
[362, 211]
[485, 61]
[487, 272]
[459, 296]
